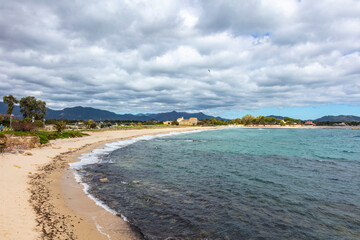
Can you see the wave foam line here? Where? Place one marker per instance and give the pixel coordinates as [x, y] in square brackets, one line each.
[94, 157]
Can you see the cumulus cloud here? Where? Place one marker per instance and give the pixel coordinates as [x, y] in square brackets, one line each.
[152, 56]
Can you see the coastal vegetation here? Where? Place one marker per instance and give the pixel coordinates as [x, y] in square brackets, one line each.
[33, 111]
[251, 120]
[10, 100]
[32, 108]
[261, 120]
[60, 126]
[24, 125]
[45, 136]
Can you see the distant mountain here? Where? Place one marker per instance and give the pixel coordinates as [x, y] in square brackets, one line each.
[3, 108]
[84, 113]
[77, 113]
[277, 117]
[340, 118]
[169, 116]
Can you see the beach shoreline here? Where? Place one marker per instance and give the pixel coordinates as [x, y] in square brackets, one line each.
[43, 176]
[33, 183]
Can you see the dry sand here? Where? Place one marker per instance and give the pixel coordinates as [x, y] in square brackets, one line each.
[41, 200]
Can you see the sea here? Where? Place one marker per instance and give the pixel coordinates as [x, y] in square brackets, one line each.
[236, 183]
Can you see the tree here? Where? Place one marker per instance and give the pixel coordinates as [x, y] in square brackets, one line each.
[10, 100]
[260, 120]
[291, 121]
[237, 121]
[214, 121]
[60, 126]
[88, 123]
[272, 121]
[30, 107]
[247, 119]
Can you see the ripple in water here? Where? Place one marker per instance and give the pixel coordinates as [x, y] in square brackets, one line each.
[236, 184]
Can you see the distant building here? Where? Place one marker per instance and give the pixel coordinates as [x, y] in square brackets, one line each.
[310, 123]
[340, 124]
[184, 122]
[188, 122]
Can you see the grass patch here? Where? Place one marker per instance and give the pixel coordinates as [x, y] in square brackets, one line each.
[45, 137]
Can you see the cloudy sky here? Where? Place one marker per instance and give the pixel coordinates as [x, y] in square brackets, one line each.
[292, 57]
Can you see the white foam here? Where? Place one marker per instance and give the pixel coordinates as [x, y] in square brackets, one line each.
[99, 228]
[98, 202]
[94, 157]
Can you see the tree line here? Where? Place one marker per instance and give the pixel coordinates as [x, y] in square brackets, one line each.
[251, 120]
[30, 107]
[261, 120]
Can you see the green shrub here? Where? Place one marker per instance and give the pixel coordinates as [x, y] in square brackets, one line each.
[52, 135]
[60, 126]
[24, 126]
[39, 123]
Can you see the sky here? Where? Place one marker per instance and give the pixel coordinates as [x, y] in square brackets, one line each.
[296, 58]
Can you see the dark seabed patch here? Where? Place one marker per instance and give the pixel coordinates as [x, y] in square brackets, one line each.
[236, 184]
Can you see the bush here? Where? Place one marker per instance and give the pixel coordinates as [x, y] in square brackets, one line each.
[27, 120]
[45, 137]
[60, 126]
[24, 126]
[39, 123]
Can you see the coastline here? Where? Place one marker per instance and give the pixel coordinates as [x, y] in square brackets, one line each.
[39, 191]
[44, 177]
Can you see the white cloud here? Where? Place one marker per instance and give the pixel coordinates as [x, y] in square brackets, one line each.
[139, 55]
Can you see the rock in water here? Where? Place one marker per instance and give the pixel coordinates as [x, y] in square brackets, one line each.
[103, 179]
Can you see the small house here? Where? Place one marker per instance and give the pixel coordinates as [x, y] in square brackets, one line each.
[310, 123]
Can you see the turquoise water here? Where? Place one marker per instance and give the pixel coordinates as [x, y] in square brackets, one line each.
[236, 184]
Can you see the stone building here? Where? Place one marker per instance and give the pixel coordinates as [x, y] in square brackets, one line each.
[188, 122]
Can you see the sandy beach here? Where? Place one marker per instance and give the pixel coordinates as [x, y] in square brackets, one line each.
[41, 199]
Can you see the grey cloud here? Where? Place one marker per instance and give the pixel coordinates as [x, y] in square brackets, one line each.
[154, 56]
[238, 17]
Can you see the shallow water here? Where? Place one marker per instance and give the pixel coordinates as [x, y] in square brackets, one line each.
[235, 184]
